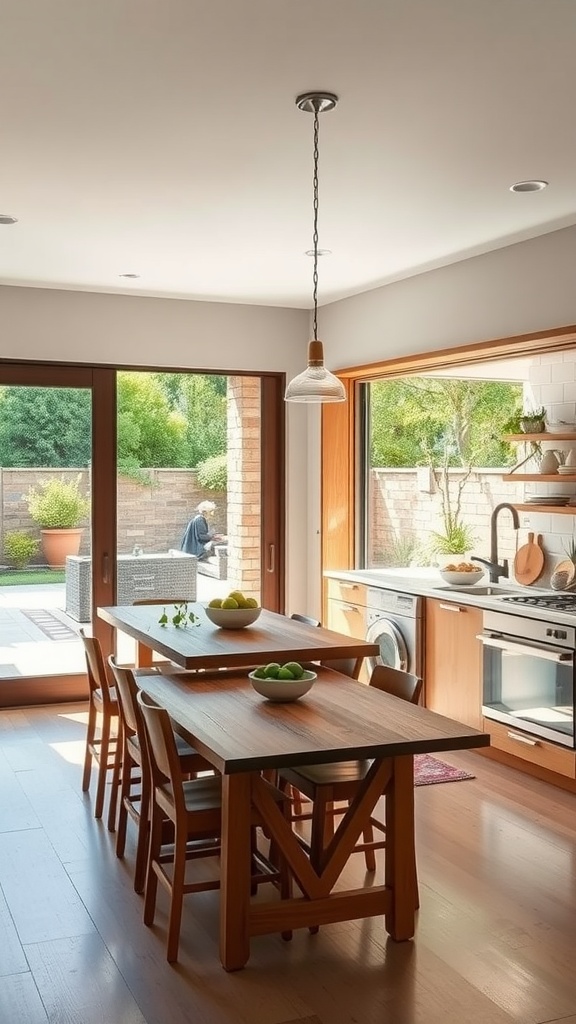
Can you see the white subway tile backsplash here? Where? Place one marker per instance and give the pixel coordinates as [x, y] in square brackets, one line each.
[551, 393]
[562, 371]
[540, 374]
[569, 391]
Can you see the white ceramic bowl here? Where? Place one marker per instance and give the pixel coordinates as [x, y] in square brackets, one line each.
[461, 579]
[283, 690]
[233, 618]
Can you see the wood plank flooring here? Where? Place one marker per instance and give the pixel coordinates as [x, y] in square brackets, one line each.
[494, 942]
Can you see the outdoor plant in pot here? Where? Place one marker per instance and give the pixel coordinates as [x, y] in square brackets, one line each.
[58, 506]
[456, 538]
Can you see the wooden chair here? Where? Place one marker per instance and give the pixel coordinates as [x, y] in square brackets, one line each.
[347, 666]
[103, 719]
[194, 808]
[327, 784]
[136, 783]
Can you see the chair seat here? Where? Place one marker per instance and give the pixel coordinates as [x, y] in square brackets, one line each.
[190, 759]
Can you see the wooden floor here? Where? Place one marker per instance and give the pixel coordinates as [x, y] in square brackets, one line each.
[495, 939]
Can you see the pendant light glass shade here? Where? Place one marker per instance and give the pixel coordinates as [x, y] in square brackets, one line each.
[316, 383]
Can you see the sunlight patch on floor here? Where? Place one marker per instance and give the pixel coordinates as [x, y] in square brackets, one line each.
[71, 751]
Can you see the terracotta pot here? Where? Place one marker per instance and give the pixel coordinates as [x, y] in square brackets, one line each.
[57, 544]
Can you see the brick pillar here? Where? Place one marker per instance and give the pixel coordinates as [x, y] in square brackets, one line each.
[244, 563]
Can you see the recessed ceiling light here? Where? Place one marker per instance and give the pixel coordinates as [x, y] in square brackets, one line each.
[528, 186]
[131, 276]
[5, 218]
[321, 252]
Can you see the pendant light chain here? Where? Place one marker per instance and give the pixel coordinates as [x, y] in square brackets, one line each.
[315, 234]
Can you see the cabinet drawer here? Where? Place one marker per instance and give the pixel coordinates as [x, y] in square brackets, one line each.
[347, 618]
[531, 748]
[346, 590]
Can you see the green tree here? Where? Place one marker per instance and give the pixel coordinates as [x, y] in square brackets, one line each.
[45, 427]
[150, 433]
[422, 420]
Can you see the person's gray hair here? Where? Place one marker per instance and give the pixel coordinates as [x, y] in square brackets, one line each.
[206, 506]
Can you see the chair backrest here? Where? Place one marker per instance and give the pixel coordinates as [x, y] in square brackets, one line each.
[305, 618]
[127, 692]
[96, 667]
[347, 666]
[396, 682]
[161, 745]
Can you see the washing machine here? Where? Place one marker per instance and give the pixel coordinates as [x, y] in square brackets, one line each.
[395, 623]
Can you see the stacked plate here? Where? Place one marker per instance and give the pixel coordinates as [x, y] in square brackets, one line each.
[548, 499]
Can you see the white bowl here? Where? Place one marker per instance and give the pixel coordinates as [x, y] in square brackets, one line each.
[283, 690]
[233, 618]
[461, 579]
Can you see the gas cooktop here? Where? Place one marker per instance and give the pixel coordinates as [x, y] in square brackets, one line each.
[559, 602]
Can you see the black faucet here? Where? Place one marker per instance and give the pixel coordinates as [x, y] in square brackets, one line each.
[495, 570]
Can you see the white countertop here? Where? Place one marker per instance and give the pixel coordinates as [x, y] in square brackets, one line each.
[426, 582]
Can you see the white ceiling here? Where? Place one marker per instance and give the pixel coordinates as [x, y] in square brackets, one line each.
[160, 137]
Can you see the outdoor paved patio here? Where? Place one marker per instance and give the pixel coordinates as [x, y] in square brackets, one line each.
[26, 649]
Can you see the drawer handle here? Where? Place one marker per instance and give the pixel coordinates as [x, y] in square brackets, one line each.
[349, 586]
[350, 608]
[451, 607]
[522, 739]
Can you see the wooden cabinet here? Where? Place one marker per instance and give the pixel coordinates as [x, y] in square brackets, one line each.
[453, 661]
[346, 607]
[530, 748]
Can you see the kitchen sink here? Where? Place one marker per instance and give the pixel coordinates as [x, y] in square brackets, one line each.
[475, 591]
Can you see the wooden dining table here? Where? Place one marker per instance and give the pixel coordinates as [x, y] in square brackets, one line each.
[244, 735]
[272, 637]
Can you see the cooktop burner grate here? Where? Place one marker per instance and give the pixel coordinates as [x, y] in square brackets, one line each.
[561, 602]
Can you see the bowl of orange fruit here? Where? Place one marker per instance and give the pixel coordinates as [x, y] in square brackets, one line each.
[461, 574]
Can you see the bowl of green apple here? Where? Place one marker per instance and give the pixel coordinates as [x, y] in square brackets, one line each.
[282, 683]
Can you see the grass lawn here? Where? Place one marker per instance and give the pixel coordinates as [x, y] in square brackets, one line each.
[27, 577]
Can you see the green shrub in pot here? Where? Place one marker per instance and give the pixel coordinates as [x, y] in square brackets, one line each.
[57, 504]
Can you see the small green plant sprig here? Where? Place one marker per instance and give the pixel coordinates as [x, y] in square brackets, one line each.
[181, 617]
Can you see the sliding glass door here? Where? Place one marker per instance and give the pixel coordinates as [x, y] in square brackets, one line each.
[123, 459]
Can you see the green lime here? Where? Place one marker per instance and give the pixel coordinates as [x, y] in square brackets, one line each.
[271, 670]
[229, 602]
[216, 602]
[260, 673]
[295, 669]
[285, 673]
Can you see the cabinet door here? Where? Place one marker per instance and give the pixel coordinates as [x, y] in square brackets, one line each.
[453, 661]
[346, 618]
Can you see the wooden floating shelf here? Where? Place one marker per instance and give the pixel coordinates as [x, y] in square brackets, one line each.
[557, 510]
[552, 478]
[566, 435]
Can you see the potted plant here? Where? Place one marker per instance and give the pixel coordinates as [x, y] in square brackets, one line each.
[533, 422]
[457, 537]
[58, 507]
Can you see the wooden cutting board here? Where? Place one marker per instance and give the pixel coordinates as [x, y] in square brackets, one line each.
[529, 561]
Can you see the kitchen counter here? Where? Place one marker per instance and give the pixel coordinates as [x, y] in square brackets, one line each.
[426, 582]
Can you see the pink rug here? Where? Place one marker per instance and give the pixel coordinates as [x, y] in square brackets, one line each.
[428, 770]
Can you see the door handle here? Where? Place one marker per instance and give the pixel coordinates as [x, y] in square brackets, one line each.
[106, 568]
[522, 739]
[451, 607]
[271, 558]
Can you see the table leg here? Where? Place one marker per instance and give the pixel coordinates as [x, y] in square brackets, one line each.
[235, 872]
[143, 655]
[400, 855]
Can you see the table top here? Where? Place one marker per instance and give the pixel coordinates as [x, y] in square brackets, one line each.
[272, 637]
[339, 718]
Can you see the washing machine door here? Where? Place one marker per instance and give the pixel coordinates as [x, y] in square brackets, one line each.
[393, 650]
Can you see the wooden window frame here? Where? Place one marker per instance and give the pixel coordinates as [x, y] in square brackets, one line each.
[339, 426]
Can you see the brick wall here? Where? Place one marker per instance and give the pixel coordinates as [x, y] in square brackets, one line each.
[404, 503]
[152, 515]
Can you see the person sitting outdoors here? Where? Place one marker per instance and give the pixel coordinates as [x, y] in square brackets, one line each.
[199, 537]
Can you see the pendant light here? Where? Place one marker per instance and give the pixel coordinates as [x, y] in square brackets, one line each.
[316, 383]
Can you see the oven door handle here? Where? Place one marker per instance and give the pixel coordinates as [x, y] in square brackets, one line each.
[514, 648]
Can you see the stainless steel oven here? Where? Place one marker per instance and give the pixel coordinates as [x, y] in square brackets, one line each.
[528, 675]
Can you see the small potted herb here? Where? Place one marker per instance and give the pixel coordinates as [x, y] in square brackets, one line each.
[533, 422]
